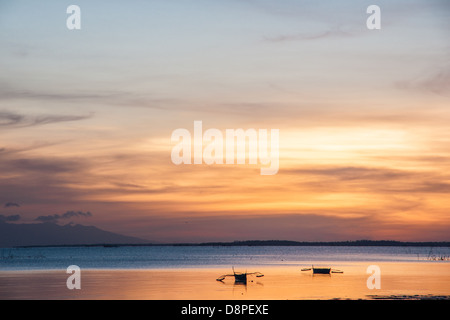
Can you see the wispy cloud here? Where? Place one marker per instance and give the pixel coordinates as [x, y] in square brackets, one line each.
[67, 215]
[381, 180]
[331, 33]
[437, 82]
[10, 119]
[7, 93]
[301, 226]
[11, 204]
[42, 165]
[10, 218]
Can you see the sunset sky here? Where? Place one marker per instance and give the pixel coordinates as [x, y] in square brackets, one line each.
[86, 117]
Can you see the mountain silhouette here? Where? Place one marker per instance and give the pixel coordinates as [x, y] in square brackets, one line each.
[49, 234]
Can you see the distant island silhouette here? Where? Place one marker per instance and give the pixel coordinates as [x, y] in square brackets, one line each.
[357, 243]
[51, 234]
[261, 243]
[71, 235]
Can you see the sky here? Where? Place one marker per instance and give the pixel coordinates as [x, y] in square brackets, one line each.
[86, 117]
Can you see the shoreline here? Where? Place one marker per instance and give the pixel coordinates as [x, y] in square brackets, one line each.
[258, 243]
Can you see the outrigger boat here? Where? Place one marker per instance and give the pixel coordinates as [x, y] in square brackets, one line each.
[240, 277]
[322, 270]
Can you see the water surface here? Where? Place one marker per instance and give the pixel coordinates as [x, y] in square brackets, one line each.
[166, 257]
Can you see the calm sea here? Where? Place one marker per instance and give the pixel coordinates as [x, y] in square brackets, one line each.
[156, 257]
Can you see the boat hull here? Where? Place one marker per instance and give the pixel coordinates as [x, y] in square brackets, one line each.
[240, 277]
[321, 270]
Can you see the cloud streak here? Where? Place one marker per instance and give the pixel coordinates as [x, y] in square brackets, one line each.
[10, 218]
[11, 204]
[331, 33]
[437, 82]
[25, 94]
[301, 226]
[67, 215]
[15, 120]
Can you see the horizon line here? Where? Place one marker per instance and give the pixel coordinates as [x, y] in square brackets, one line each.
[293, 243]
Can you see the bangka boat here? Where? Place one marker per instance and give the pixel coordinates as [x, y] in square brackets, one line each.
[240, 277]
[322, 270]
